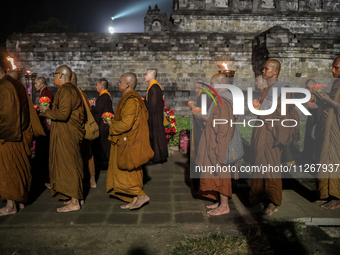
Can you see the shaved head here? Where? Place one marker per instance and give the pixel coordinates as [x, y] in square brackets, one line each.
[66, 71]
[153, 72]
[337, 59]
[74, 79]
[104, 83]
[41, 80]
[220, 78]
[275, 64]
[131, 79]
[14, 75]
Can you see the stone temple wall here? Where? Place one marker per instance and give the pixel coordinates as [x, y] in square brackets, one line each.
[200, 36]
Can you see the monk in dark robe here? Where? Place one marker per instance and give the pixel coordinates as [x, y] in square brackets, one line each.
[67, 133]
[268, 141]
[43, 142]
[309, 147]
[86, 150]
[19, 122]
[130, 122]
[154, 104]
[198, 124]
[212, 151]
[328, 182]
[103, 104]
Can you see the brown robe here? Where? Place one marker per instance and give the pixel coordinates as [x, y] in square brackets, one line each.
[158, 141]
[67, 133]
[267, 143]
[328, 183]
[130, 115]
[16, 136]
[212, 150]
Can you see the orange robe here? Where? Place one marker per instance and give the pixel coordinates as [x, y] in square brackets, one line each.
[131, 121]
[212, 150]
[267, 143]
[18, 122]
[328, 183]
[66, 134]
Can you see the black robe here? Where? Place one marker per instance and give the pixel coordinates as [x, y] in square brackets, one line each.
[102, 144]
[158, 141]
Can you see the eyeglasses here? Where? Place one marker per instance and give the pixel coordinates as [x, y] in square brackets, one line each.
[56, 73]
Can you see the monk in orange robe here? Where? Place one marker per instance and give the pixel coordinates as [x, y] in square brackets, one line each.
[212, 151]
[87, 154]
[268, 141]
[130, 124]
[328, 182]
[19, 122]
[67, 133]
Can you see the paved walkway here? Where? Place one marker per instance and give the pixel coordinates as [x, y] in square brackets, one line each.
[174, 211]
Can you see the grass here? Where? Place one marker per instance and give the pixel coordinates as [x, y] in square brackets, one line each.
[271, 238]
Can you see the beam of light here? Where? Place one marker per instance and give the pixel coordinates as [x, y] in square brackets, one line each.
[111, 30]
[138, 8]
[12, 62]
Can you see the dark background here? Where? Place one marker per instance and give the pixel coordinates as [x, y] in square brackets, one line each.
[78, 15]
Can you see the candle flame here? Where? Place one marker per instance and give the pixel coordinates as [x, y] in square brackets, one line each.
[225, 66]
[28, 71]
[12, 62]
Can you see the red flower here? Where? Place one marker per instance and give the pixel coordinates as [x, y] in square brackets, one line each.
[171, 112]
[168, 137]
[167, 118]
[166, 109]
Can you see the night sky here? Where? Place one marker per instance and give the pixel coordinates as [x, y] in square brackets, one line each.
[80, 15]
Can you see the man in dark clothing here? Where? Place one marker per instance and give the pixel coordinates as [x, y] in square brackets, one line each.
[154, 104]
[103, 104]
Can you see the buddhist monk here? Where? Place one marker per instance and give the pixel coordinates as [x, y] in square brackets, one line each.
[154, 104]
[19, 122]
[328, 182]
[14, 74]
[310, 139]
[268, 141]
[103, 104]
[128, 126]
[261, 83]
[87, 155]
[67, 133]
[42, 143]
[213, 148]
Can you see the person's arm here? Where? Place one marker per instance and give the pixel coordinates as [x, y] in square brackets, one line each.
[63, 112]
[326, 98]
[129, 112]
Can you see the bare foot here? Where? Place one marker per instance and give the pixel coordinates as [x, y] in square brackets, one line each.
[69, 208]
[141, 200]
[93, 183]
[81, 202]
[8, 211]
[219, 211]
[48, 185]
[214, 206]
[271, 208]
[129, 205]
[21, 205]
[335, 203]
